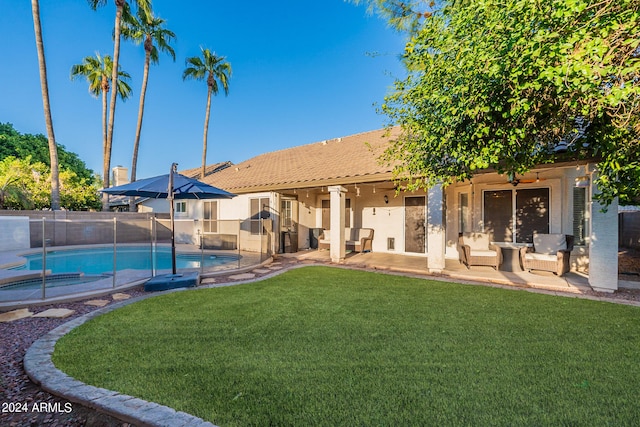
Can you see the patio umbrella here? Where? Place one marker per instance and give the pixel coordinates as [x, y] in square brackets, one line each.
[171, 186]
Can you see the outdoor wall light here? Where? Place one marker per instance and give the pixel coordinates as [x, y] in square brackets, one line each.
[386, 199]
[582, 181]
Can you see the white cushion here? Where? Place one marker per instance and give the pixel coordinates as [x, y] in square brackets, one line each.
[549, 243]
[478, 252]
[476, 241]
[540, 257]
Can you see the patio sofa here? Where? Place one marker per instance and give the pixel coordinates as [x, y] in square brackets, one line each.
[477, 249]
[356, 239]
[550, 252]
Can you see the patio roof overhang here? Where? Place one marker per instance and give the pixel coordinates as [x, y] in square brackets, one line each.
[301, 185]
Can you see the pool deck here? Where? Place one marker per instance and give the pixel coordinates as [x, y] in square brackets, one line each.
[124, 279]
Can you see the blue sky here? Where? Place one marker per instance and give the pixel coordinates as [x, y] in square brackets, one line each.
[303, 71]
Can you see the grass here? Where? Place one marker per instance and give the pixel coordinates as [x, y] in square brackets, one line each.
[326, 346]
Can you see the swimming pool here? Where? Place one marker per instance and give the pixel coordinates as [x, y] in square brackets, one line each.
[99, 260]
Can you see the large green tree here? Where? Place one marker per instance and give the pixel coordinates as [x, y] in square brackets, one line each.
[149, 30]
[216, 71]
[120, 7]
[510, 84]
[22, 146]
[26, 184]
[98, 71]
[53, 153]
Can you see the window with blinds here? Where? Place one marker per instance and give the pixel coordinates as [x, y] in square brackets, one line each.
[580, 215]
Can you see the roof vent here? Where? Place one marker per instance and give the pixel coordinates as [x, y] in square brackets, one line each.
[324, 142]
[237, 169]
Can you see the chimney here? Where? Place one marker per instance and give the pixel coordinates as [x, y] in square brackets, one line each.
[119, 176]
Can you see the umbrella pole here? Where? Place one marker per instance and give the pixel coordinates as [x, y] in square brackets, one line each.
[171, 215]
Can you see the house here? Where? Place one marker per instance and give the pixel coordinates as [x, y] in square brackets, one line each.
[339, 183]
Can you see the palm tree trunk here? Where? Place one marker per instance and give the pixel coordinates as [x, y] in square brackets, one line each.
[53, 148]
[106, 165]
[105, 93]
[136, 143]
[206, 130]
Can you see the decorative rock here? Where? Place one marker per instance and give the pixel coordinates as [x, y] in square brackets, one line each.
[243, 276]
[97, 302]
[275, 267]
[59, 313]
[120, 296]
[208, 280]
[10, 316]
[261, 270]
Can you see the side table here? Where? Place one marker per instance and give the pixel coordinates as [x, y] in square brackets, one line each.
[511, 255]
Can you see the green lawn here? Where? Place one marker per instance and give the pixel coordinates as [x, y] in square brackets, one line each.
[326, 346]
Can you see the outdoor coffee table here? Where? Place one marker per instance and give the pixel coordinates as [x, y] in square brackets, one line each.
[510, 255]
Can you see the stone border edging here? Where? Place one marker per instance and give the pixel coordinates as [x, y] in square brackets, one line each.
[41, 370]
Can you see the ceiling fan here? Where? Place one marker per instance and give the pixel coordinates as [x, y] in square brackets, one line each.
[515, 181]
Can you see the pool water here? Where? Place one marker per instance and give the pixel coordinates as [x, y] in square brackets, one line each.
[100, 260]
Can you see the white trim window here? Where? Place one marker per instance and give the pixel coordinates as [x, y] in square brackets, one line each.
[259, 209]
[210, 216]
[180, 206]
[580, 215]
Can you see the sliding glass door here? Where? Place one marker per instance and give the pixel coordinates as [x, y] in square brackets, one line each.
[514, 215]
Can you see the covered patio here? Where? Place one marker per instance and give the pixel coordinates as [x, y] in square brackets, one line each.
[572, 282]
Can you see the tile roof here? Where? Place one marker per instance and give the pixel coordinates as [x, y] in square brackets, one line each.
[350, 159]
[208, 170]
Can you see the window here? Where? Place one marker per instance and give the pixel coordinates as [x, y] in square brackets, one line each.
[181, 207]
[259, 208]
[580, 218]
[210, 217]
[515, 215]
[464, 213]
[326, 214]
[532, 213]
[286, 212]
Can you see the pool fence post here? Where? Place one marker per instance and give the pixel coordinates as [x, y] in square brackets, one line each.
[115, 236]
[151, 233]
[200, 240]
[44, 259]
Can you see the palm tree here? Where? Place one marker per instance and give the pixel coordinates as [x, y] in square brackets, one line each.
[98, 71]
[53, 148]
[214, 69]
[120, 7]
[147, 29]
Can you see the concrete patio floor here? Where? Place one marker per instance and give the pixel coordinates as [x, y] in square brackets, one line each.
[572, 282]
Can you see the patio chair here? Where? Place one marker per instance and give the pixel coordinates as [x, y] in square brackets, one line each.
[476, 249]
[550, 252]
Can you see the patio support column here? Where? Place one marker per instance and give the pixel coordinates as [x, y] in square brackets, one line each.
[603, 245]
[337, 240]
[436, 230]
